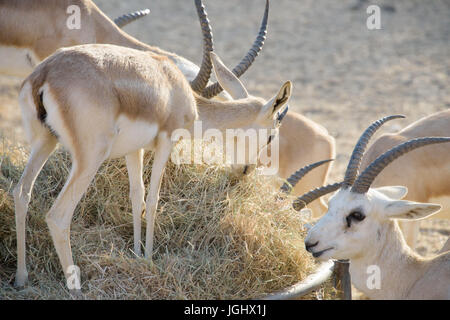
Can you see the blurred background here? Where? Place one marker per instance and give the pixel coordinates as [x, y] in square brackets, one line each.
[344, 75]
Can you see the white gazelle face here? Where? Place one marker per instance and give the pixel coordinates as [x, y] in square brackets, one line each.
[354, 222]
[264, 128]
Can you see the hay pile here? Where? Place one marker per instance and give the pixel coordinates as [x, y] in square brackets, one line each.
[215, 237]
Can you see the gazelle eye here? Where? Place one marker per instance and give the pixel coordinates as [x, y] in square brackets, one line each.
[355, 215]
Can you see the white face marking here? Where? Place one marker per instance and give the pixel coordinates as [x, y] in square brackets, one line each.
[17, 61]
[350, 237]
[339, 233]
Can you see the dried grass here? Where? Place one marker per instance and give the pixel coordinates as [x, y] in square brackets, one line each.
[215, 237]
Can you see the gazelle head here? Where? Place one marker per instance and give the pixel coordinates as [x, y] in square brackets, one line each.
[269, 114]
[355, 221]
[358, 215]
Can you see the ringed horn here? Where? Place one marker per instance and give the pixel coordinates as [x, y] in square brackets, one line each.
[214, 89]
[358, 152]
[366, 178]
[202, 78]
[299, 174]
[302, 201]
[125, 19]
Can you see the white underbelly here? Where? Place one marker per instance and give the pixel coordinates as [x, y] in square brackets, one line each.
[17, 61]
[132, 135]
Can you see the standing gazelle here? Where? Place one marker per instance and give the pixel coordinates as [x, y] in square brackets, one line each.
[23, 46]
[105, 101]
[361, 225]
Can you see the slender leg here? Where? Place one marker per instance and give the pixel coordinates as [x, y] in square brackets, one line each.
[41, 150]
[60, 215]
[162, 153]
[137, 193]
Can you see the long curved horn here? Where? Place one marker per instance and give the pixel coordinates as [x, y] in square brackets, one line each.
[355, 160]
[312, 195]
[202, 78]
[214, 89]
[125, 19]
[365, 179]
[299, 174]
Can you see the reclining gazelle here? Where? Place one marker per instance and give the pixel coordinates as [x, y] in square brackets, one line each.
[361, 225]
[144, 99]
[425, 172]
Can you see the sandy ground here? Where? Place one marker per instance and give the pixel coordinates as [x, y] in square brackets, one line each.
[344, 75]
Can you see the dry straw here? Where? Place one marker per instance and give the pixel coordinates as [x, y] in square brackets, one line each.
[215, 238]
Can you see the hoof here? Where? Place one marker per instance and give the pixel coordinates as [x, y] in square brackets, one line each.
[21, 280]
[137, 253]
[148, 256]
[76, 294]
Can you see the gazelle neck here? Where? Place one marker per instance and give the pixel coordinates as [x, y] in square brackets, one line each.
[118, 37]
[224, 115]
[398, 265]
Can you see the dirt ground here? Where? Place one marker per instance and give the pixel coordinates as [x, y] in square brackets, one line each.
[344, 75]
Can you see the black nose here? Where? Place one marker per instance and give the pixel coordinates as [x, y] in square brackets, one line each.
[309, 245]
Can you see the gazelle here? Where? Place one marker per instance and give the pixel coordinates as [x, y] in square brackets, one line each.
[22, 47]
[425, 172]
[32, 30]
[361, 225]
[144, 99]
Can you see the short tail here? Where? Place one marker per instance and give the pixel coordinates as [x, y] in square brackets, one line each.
[37, 80]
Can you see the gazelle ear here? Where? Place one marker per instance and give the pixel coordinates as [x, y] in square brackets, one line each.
[228, 81]
[409, 210]
[279, 101]
[395, 193]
